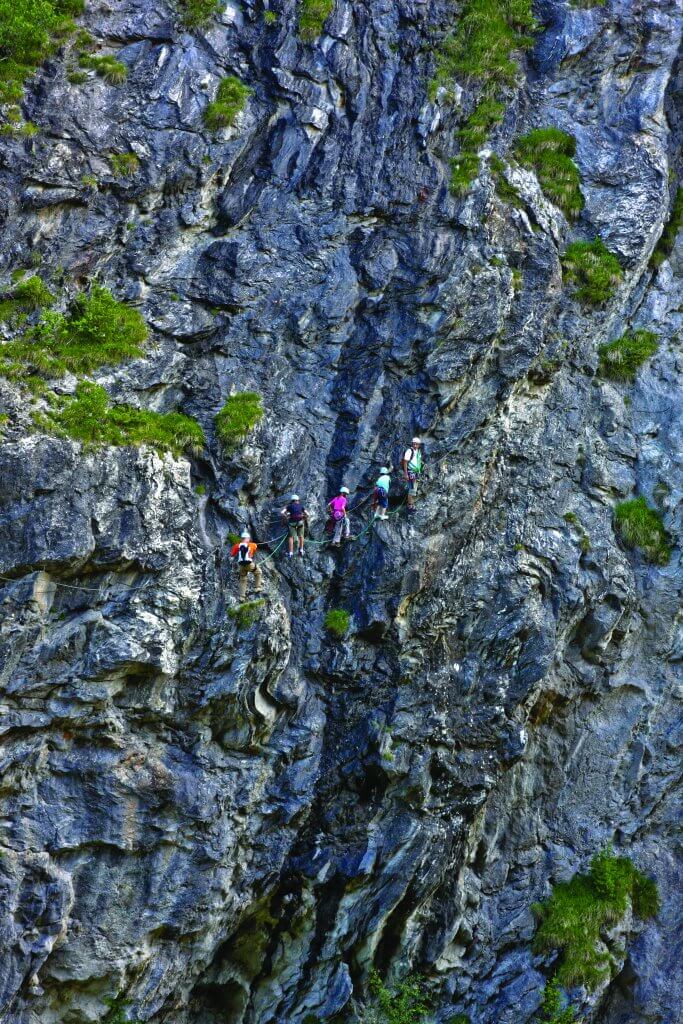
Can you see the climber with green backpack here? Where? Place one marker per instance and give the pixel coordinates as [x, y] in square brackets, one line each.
[380, 497]
[412, 463]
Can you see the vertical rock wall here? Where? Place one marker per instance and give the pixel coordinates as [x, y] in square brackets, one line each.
[227, 826]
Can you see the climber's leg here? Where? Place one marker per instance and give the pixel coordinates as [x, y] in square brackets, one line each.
[258, 578]
[242, 583]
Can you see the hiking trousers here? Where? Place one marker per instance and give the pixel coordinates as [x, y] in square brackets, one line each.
[245, 568]
[342, 528]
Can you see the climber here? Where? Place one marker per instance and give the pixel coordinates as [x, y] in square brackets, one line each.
[296, 518]
[380, 498]
[412, 469]
[243, 552]
[337, 507]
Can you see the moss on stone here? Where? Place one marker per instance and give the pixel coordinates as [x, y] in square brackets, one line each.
[107, 67]
[337, 622]
[124, 165]
[674, 224]
[247, 613]
[196, 13]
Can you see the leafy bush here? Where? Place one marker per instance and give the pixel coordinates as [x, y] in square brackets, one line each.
[549, 152]
[124, 165]
[107, 67]
[247, 613]
[29, 31]
[196, 13]
[666, 243]
[594, 270]
[622, 358]
[405, 1004]
[32, 294]
[551, 1009]
[314, 14]
[337, 622]
[88, 417]
[575, 916]
[239, 415]
[270, 17]
[230, 101]
[641, 527]
[96, 331]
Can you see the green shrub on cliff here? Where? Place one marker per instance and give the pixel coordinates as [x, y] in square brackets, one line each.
[551, 1009]
[641, 527]
[107, 67]
[314, 14]
[239, 415]
[622, 358]
[337, 622]
[575, 917]
[230, 101]
[674, 224]
[594, 270]
[96, 331]
[89, 417]
[481, 48]
[29, 31]
[406, 1003]
[550, 153]
[196, 13]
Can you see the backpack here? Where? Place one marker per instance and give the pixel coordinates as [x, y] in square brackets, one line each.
[296, 511]
[243, 556]
[412, 455]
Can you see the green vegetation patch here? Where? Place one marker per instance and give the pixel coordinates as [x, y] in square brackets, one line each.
[550, 153]
[89, 417]
[124, 165]
[107, 67]
[270, 17]
[641, 527]
[674, 224]
[314, 14]
[575, 917]
[196, 13]
[337, 622]
[239, 415]
[30, 30]
[230, 101]
[404, 1004]
[594, 270]
[481, 48]
[26, 297]
[96, 331]
[506, 192]
[622, 358]
[247, 613]
[552, 1008]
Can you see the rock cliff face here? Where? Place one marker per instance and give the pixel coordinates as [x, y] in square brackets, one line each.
[211, 822]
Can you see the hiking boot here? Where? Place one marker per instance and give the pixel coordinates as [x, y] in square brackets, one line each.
[301, 553]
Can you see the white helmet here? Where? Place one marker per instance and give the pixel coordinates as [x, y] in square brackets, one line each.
[384, 469]
[343, 490]
[416, 440]
[245, 535]
[295, 497]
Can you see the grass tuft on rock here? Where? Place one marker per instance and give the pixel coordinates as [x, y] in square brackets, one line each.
[622, 358]
[314, 14]
[337, 622]
[231, 99]
[594, 270]
[575, 917]
[666, 243]
[107, 67]
[639, 526]
[89, 417]
[506, 192]
[481, 49]
[239, 415]
[124, 165]
[247, 613]
[96, 331]
[549, 152]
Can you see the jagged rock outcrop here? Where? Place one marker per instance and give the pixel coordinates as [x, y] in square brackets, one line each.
[218, 821]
